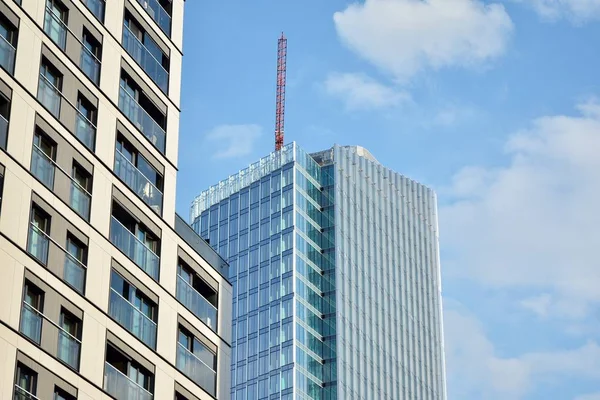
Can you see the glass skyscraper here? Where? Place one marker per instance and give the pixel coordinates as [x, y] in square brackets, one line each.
[335, 267]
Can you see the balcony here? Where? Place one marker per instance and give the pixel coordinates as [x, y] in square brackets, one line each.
[195, 369]
[145, 59]
[158, 14]
[142, 120]
[68, 347]
[90, 65]
[55, 28]
[41, 245]
[138, 182]
[196, 303]
[22, 394]
[97, 8]
[135, 249]
[121, 387]
[7, 55]
[132, 319]
[31, 323]
[43, 168]
[49, 96]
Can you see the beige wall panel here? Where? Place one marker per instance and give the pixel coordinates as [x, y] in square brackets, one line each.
[10, 276]
[111, 59]
[177, 23]
[225, 310]
[170, 182]
[164, 385]
[114, 17]
[172, 134]
[8, 354]
[93, 344]
[22, 120]
[101, 200]
[168, 274]
[27, 61]
[175, 78]
[105, 132]
[98, 274]
[223, 372]
[15, 206]
[167, 330]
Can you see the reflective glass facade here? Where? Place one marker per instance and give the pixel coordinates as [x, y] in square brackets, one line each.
[335, 269]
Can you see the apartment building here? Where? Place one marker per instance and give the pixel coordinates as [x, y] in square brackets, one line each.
[107, 292]
[334, 261]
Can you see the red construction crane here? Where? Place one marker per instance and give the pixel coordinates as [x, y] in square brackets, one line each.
[280, 104]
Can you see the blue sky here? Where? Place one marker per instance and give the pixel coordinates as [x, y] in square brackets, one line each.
[491, 103]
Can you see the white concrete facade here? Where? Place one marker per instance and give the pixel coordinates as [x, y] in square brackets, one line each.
[23, 190]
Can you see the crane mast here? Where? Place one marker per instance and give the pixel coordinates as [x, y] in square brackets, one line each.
[280, 101]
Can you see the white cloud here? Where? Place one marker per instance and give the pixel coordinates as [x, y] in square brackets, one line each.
[475, 370]
[533, 223]
[233, 140]
[360, 91]
[402, 37]
[579, 11]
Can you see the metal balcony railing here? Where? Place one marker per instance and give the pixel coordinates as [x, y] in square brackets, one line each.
[132, 319]
[121, 387]
[196, 303]
[142, 120]
[134, 248]
[22, 394]
[138, 182]
[145, 59]
[45, 249]
[195, 369]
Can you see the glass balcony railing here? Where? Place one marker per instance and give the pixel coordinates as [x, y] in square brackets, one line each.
[196, 303]
[58, 31]
[42, 167]
[158, 14]
[135, 249]
[132, 319]
[49, 96]
[40, 245]
[85, 130]
[55, 28]
[121, 387]
[3, 132]
[68, 347]
[31, 323]
[22, 394]
[142, 120]
[90, 65]
[145, 59]
[196, 369]
[97, 8]
[7, 55]
[138, 182]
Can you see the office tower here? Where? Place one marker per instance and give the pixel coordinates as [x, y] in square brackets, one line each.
[336, 277]
[105, 290]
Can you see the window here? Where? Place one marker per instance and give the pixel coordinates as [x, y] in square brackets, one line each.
[8, 43]
[60, 394]
[85, 121]
[69, 338]
[196, 360]
[90, 56]
[50, 86]
[55, 22]
[26, 384]
[74, 273]
[121, 371]
[194, 346]
[31, 312]
[80, 190]
[131, 308]
[39, 233]
[42, 158]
